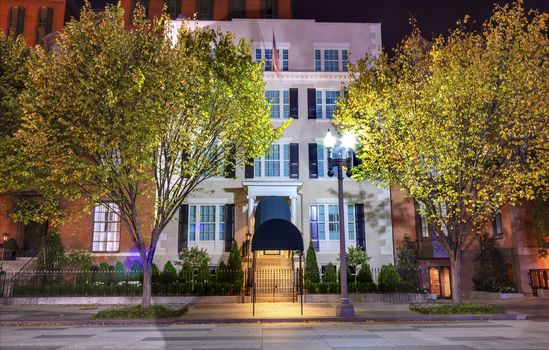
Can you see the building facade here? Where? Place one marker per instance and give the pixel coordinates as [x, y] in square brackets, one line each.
[312, 59]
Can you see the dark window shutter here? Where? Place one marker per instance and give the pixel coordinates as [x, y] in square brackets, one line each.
[12, 23]
[313, 161]
[229, 226]
[360, 227]
[49, 21]
[418, 220]
[249, 170]
[183, 230]
[314, 228]
[294, 106]
[174, 8]
[20, 21]
[294, 160]
[311, 103]
[230, 167]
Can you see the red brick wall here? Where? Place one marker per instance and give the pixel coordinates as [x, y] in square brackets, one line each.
[6, 223]
[31, 16]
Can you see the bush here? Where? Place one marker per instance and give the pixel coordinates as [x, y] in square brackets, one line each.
[154, 311]
[78, 260]
[194, 257]
[456, 309]
[234, 265]
[185, 275]
[490, 276]
[51, 256]
[330, 275]
[364, 275]
[169, 274]
[312, 273]
[389, 279]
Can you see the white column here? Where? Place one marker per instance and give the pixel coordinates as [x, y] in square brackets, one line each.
[293, 208]
[251, 204]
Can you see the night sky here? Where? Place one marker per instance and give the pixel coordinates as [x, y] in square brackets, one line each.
[434, 17]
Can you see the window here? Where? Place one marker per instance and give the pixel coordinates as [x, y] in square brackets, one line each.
[106, 228]
[174, 8]
[278, 109]
[237, 9]
[205, 9]
[327, 218]
[144, 3]
[275, 163]
[497, 230]
[267, 55]
[326, 101]
[45, 20]
[268, 8]
[331, 60]
[206, 222]
[16, 21]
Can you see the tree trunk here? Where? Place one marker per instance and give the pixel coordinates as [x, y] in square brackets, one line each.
[147, 277]
[455, 274]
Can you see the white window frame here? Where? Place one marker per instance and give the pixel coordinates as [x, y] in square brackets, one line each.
[342, 64]
[281, 47]
[283, 106]
[106, 228]
[259, 163]
[321, 112]
[218, 243]
[327, 243]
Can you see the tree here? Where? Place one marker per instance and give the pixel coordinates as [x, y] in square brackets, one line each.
[460, 124]
[138, 117]
[312, 273]
[16, 179]
[407, 264]
[234, 265]
[51, 256]
[541, 226]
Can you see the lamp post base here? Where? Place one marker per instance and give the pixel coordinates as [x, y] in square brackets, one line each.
[345, 309]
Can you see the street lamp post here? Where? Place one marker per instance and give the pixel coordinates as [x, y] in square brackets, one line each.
[345, 308]
[4, 240]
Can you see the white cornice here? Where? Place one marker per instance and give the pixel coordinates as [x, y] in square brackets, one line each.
[307, 76]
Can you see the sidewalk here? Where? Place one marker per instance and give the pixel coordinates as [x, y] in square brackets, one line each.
[236, 313]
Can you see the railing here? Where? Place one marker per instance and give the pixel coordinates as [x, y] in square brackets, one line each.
[539, 279]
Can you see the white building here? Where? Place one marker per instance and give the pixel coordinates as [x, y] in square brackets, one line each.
[313, 58]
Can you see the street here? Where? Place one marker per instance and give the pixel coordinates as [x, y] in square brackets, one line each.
[529, 334]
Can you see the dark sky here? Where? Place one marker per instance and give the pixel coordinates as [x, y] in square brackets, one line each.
[434, 17]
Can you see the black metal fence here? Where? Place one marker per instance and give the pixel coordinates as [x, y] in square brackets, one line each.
[539, 279]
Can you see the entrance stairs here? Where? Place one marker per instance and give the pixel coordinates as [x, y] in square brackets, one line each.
[275, 280]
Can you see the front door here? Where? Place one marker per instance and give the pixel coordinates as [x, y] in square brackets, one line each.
[33, 236]
[439, 278]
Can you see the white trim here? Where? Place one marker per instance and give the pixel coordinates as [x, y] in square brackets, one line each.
[272, 188]
[334, 46]
[307, 76]
[114, 254]
[206, 201]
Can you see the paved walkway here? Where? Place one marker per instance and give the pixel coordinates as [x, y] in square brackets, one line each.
[524, 335]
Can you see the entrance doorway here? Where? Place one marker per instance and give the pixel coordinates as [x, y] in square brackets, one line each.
[33, 236]
[439, 278]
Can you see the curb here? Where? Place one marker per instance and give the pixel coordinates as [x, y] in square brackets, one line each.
[250, 320]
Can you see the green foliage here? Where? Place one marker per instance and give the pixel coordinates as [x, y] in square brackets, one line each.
[330, 274]
[136, 267]
[356, 257]
[407, 254]
[10, 244]
[186, 273]
[51, 256]
[456, 309]
[234, 265]
[312, 273]
[204, 273]
[119, 266]
[194, 256]
[541, 225]
[490, 274]
[459, 123]
[104, 266]
[169, 274]
[364, 274]
[389, 279]
[78, 260]
[182, 99]
[154, 311]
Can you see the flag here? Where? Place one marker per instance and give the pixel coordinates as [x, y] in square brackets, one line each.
[276, 66]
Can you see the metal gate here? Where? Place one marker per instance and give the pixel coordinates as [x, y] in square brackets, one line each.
[277, 284]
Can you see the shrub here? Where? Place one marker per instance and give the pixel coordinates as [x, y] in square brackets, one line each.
[312, 273]
[154, 311]
[221, 274]
[456, 309]
[389, 279]
[193, 256]
[185, 274]
[364, 275]
[51, 256]
[234, 265]
[169, 274]
[78, 260]
[490, 274]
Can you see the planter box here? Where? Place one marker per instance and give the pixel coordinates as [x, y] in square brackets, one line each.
[475, 294]
[371, 298]
[543, 293]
